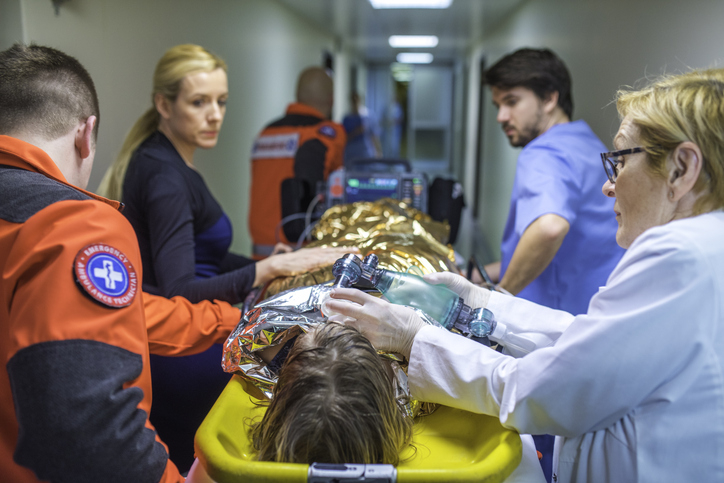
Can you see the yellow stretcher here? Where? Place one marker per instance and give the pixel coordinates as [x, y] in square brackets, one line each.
[451, 445]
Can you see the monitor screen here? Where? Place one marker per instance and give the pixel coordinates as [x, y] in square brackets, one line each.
[371, 188]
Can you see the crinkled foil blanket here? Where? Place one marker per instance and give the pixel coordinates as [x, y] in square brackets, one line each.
[401, 237]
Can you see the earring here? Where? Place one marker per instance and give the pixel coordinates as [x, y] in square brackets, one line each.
[671, 194]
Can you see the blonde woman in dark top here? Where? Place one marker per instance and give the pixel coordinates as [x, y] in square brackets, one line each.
[183, 233]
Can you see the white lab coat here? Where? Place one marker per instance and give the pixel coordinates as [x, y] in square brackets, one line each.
[634, 388]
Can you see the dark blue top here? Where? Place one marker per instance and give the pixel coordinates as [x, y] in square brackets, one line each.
[360, 131]
[184, 237]
[212, 245]
[183, 233]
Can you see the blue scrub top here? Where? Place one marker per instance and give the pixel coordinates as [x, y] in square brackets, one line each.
[560, 172]
[360, 131]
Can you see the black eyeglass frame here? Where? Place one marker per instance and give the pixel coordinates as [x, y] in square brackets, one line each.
[610, 167]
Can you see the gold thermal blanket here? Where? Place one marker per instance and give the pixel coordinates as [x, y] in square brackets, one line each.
[400, 236]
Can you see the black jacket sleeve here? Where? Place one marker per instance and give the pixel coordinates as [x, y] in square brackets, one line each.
[309, 162]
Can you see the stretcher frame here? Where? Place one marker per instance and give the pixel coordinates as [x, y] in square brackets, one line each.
[449, 445]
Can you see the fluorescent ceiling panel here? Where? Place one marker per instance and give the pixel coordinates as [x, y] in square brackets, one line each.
[410, 3]
[408, 41]
[402, 72]
[414, 58]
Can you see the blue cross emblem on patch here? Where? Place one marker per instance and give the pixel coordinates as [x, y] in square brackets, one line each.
[106, 274]
[328, 131]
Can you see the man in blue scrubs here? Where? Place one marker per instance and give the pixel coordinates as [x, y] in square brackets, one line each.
[559, 244]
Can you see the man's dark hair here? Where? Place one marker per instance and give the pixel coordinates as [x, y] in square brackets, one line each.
[44, 91]
[539, 70]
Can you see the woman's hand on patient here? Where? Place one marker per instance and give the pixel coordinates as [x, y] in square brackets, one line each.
[300, 261]
[474, 296]
[389, 327]
[281, 248]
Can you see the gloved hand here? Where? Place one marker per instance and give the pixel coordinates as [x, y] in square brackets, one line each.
[389, 327]
[474, 296]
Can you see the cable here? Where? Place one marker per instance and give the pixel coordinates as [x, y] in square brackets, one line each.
[284, 221]
[475, 263]
[310, 210]
[297, 216]
[304, 234]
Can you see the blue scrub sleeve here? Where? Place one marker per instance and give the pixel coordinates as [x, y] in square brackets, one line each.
[546, 182]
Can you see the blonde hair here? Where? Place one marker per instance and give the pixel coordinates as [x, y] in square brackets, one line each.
[176, 63]
[334, 402]
[679, 108]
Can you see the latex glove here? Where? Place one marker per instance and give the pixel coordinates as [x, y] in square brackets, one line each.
[300, 261]
[389, 327]
[474, 296]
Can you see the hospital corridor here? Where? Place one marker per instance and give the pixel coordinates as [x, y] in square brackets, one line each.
[361, 241]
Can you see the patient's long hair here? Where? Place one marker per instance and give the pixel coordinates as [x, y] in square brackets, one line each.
[334, 402]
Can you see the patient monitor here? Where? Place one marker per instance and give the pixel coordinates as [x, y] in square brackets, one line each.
[345, 186]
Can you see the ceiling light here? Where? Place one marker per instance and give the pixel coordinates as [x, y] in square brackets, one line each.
[410, 3]
[414, 58]
[407, 41]
[402, 72]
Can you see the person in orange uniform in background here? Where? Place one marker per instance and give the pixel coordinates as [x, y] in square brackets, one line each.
[77, 330]
[305, 145]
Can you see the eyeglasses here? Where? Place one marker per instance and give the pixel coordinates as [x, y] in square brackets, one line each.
[613, 160]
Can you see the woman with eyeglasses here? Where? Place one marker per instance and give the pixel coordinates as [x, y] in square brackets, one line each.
[634, 388]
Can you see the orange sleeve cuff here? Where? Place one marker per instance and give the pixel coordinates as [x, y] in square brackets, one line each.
[176, 327]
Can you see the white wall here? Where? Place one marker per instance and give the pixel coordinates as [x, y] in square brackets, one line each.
[606, 44]
[11, 30]
[119, 43]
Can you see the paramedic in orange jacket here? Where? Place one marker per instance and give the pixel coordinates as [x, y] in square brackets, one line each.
[77, 330]
[304, 144]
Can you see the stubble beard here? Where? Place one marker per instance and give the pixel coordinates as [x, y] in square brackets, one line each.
[528, 132]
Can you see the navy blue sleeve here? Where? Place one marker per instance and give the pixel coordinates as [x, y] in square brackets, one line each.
[232, 261]
[76, 421]
[168, 206]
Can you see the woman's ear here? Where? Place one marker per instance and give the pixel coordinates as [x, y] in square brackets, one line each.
[163, 105]
[684, 168]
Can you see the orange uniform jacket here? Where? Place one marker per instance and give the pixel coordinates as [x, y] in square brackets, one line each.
[76, 389]
[302, 144]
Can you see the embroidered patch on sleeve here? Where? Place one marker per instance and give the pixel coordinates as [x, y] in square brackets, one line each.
[106, 275]
[328, 131]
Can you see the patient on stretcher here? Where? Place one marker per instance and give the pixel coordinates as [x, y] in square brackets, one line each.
[334, 402]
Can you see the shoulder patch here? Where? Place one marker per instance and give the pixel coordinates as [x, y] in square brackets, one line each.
[328, 131]
[106, 275]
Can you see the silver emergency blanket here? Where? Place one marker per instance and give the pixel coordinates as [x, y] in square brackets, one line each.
[403, 238]
[279, 319]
